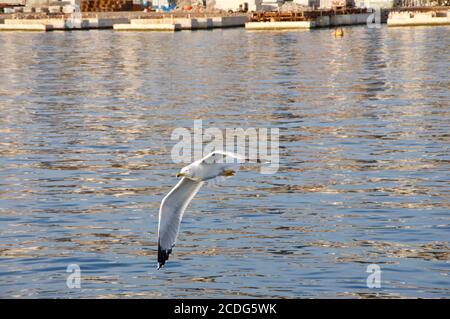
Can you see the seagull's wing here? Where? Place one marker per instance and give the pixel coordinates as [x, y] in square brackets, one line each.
[232, 155]
[171, 213]
[235, 155]
[239, 157]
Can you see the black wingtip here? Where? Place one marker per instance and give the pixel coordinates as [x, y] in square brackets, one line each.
[163, 255]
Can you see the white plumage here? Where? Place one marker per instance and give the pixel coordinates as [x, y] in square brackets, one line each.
[174, 204]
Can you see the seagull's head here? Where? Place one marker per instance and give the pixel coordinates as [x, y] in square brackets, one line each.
[186, 172]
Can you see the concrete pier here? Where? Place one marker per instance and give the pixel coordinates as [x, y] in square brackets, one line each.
[418, 18]
[124, 24]
[279, 25]
[178, 24]
[317, 22]
[52, 24]
[26, 27]
[147, 26]
[341, 20]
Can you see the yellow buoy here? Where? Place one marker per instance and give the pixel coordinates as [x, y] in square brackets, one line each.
[339, 32]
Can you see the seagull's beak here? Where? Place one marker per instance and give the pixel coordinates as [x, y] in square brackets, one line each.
[180, 175]
[228, 172]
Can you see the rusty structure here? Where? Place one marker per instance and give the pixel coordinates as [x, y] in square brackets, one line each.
[306, 15]
[422, 3]
[421, 9]
[108, 5]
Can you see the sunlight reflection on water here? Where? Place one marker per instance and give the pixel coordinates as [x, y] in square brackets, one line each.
[364, 177]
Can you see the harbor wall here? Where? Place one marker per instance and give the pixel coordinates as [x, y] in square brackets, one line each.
[340, 20]
[50, 24]
[415, 18]
[319, 22]
[178, 24]
[279, 25]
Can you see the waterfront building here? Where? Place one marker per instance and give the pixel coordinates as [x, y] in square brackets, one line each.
[306, 3]
[247, 5]
[12, 2]
[236, 5]
[160, 4]
[377, 4]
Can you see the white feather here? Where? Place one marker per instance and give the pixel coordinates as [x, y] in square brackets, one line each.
[171, 213]
[172, 208]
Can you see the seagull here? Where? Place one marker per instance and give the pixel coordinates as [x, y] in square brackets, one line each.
[193, 176]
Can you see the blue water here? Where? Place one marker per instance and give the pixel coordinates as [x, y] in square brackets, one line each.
[364, 178]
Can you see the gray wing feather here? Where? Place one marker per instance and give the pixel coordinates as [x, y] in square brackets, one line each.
[171, 213]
